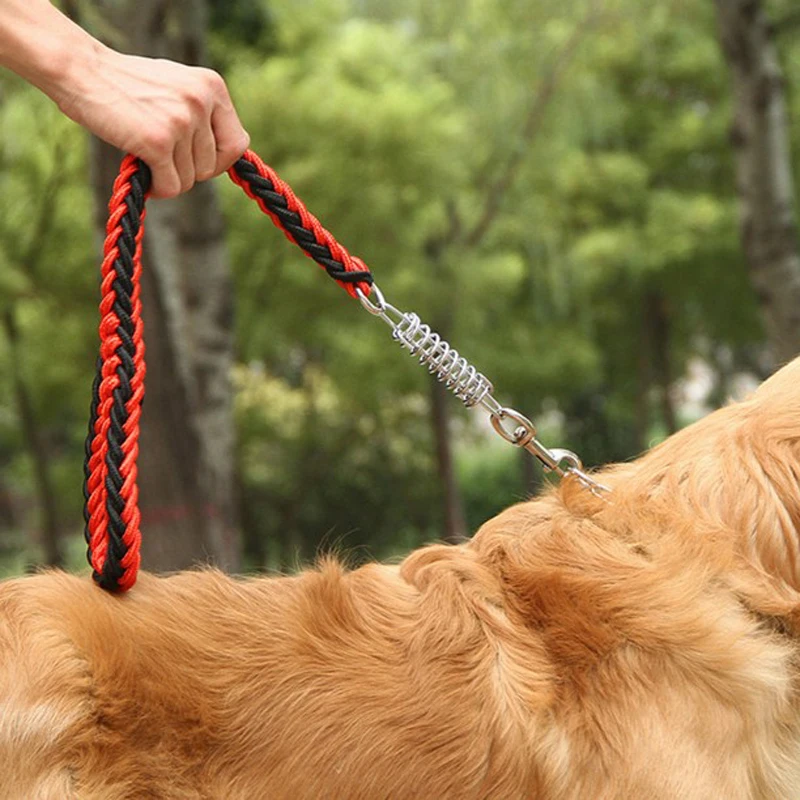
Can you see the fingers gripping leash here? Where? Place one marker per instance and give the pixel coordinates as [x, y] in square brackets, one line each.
[111, 509]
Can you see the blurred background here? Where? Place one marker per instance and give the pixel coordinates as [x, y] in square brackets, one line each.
[593, 200]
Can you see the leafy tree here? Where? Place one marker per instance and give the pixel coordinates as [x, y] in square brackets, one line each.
[48, 315]
[550, 184]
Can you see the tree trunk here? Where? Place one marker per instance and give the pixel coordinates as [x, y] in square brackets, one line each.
[35, 442]
[760, 140]
[440, 250]
[660, 327]
[208, 294]
[531, 484]
[455, 526]
[641, 420]
[186, 446]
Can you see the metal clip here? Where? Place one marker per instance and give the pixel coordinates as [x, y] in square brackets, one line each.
[471, 387]
[380, 308]
[524, 435]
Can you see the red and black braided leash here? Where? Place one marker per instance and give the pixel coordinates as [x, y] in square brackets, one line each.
[111, 494]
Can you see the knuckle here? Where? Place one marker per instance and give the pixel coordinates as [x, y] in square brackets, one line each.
[181, 121]
[230, 154]
[187, 183]
[215, 82]
[159, 144]
[197, 100]
[167, 190]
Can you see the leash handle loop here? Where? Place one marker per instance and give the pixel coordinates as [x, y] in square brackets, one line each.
[111, 495]
[110, 490]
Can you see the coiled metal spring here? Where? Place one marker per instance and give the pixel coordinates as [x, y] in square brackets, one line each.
[452, 369]
[470, 387]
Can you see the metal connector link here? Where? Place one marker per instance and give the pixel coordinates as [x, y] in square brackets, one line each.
[471, 387]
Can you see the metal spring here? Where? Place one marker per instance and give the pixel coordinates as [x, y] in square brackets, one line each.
[452, 369]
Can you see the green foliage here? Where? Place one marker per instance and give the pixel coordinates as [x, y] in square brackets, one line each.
[49, 290]
[316, 475]
[612, 260]
[238, 26]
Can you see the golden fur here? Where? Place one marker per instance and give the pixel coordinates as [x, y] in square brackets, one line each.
[644, 647]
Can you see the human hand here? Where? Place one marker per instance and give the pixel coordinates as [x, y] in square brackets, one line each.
[179, 120]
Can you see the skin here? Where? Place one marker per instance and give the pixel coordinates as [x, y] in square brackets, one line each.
[180, 120]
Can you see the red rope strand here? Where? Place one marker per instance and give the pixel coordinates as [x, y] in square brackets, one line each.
[112, 509]
[309, 221]
[111, 341]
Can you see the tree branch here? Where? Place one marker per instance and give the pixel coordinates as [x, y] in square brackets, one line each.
[34, 250]
[498, 189]
[764, 178]
[787, 23]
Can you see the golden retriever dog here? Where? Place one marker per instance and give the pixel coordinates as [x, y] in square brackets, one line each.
[643, 646]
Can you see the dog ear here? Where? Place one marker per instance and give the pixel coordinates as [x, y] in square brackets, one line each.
[732, 482]
[766, 515]
[767, 596]
[766, 493]
[783, 385]
[745, 512]
[775, 407]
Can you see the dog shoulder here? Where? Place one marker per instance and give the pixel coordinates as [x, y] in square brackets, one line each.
[45, 690]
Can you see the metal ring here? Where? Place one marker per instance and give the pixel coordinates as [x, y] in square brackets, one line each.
[381, 308]
[374, 308]
[567, 455]
[519, 421]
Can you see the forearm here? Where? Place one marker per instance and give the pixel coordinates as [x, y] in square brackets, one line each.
[42, 45]
[179, 119]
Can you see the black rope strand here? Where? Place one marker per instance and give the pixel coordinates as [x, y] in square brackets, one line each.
[293, 224]
[317, 243]
[123, 266]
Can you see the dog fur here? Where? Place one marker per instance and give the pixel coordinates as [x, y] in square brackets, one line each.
[641, 647]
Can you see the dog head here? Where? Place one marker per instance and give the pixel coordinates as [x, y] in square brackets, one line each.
[729, 485]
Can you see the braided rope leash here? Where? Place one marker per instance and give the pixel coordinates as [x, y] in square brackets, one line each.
[111, 494]
[110, 491]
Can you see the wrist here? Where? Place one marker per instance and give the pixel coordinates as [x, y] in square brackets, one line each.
[65, 71]
[46, 48]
